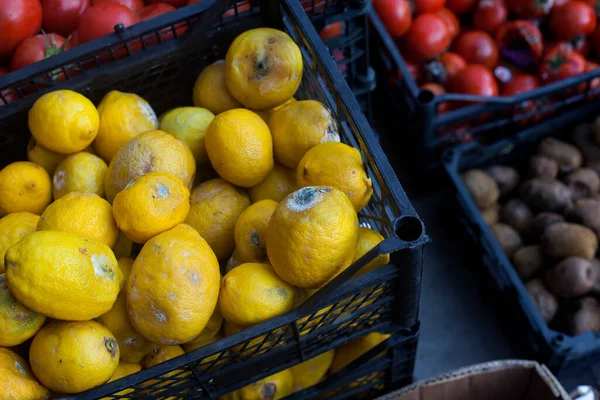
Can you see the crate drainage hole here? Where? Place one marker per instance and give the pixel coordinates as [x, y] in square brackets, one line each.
[409, 229]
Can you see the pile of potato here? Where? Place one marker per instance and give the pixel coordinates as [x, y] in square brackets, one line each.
[546, 218]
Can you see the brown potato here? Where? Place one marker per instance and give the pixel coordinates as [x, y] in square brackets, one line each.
[566, 155]
[482, 188]
[569, 240]
[583, 139]
[586, 318]
[544, 301]
[543, 167]
[583, 182]
[491, 215]
[572, 277]
[507, 178]
[539, 224]
[528, 261]
[544, 194]
[509, 239]
[586, 212]
[516, 214]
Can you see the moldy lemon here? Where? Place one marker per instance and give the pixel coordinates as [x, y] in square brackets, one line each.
[63, 275]
[16, 379]
[312, 236]
[240, 147]
[263, 68]
[64, 121]
[250, 232]
[80, 172]
[173, 287]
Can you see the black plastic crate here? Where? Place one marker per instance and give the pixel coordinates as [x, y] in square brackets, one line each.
[574, 359]
[385, 300]
[486, 119]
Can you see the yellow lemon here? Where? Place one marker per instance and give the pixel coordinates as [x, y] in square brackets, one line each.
[173, 287]
[310, 372]
[349, 352]
[151, 204]
[122, 117]
[276, 186]
[124, 265]
[266, 114]
[80, 172]
[250, 232]
[132, 345]
[276, 386]
[263, 68]
[197, 343]
[189, 124]
[63, 275]
[14, 227]
[210, 90]
[24, 186]
[312, 236]
[210, 331]
[86, 214]
[47, 159]
[338, 165]
[123, 370]
[299, 126]
[71, 357]
[253, 293]
[214, 209]
[16, 379]
[240, 147]
[17, 322]
[158, 355]
[64, 121]
[153, 151]
[367, 239]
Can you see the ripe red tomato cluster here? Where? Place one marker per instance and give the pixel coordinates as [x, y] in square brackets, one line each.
[493, 47]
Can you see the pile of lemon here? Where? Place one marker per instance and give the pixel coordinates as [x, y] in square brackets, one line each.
[248, 179]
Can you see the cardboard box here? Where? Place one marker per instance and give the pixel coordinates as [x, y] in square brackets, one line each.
[496, 380]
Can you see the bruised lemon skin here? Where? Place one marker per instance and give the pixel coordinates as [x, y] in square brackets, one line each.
[122, 117]
[338, 165]
[263, 68]
[64, 121]
[63, 275]
[80, 172]
[173, 287]
[240, 147]
[17, 322]
[312, 236]
[14, 227]
[299, 126]
[24, 186]
[250, 232]
[17, 380]
[71, 357]
[151, 204]
[210, 90]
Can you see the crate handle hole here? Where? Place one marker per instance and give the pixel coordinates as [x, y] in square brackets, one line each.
[425, 96]
[409, 229]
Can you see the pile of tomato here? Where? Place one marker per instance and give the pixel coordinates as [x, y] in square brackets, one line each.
[493, 47]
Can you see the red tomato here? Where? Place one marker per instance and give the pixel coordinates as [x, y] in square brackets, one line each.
[582, 45]
[36, 48]
[19, 19]
[395, 15]
[243, 7]
[595, 39]
[193, 2]
[436, 90]
[576, 18]
[74, 39]
[516, 36]
[99, 20]
[528, 9]
[489, 15]
[451, 21]
[133, 5]
[520, 84]
[561, 62]
[460, 6]
[174, 3]
[428, 36]
[452, 63]
[475, 79]
[414, 70]
[313, 6]
[423, 6]
[477, 47]
[9, 94]
[331, 31]
[558, 3]
[152, 11]
[62, 16]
